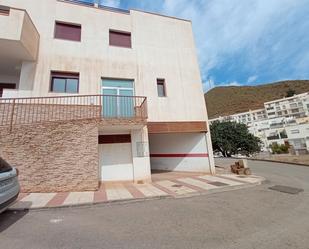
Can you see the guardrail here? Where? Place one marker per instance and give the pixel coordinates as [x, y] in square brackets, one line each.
[33, 110]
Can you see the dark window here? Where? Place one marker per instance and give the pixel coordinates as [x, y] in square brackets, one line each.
[112, 139]
[120, 39]
[64, 82]
[161, 87]
[67, 31]
[4, 10]
[6, 86]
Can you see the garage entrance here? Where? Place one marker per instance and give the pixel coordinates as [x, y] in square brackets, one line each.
[115, 152]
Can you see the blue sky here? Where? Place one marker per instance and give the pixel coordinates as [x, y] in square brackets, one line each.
[241, 42]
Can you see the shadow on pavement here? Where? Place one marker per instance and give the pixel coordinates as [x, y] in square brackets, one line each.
[9, 218]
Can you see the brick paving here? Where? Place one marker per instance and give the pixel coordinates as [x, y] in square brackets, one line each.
[172, 184]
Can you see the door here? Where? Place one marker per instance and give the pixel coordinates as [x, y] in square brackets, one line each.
[118, 98]
[110, 102]
[115, 153]
[126, 107]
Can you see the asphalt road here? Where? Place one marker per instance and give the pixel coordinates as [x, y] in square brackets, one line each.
[242, 219]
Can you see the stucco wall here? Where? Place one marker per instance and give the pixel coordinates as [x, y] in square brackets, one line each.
[162, 47]
[53, 158]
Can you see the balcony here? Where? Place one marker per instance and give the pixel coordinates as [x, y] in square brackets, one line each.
[19, 38]
[111, 109]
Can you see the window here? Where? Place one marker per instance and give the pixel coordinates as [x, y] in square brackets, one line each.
[161, 87]
[64, 82]
[6, 86]
[68, 31]
[294, 131]
[4, 10]
[293, 105]
[120, 39]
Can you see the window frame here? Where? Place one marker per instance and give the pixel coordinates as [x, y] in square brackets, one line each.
[67, 24]
[163, 82]
[66, 76]
[119, 32]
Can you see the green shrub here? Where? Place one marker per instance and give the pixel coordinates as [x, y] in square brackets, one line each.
[279, 148]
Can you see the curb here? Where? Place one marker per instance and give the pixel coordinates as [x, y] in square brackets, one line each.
[161, 197]
[273, 161]
[263, 160]
[89, 204]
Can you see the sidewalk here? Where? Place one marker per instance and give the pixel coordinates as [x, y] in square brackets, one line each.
[173, 186]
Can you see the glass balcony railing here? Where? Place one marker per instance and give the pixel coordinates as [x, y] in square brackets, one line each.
[98, 4]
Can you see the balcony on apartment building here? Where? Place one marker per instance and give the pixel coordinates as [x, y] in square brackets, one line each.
[108, 109]
[19, 43]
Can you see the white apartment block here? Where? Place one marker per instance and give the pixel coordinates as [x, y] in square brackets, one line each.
[296, 106]
[93, 94]
[281, 121]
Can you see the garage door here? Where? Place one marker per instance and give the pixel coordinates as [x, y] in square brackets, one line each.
[115, 158]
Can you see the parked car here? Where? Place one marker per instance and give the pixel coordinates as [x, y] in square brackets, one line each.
[9, 185]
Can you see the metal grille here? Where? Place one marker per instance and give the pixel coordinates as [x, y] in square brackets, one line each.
[20, 111]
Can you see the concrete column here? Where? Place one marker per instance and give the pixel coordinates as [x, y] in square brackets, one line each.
[210, 152]
[140, 155]
[27, 75]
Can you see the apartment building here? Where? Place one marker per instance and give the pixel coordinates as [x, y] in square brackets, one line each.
[281, 121]
[245, 117]
[296, 106]
[91, 94]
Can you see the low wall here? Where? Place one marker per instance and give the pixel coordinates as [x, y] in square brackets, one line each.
[55, 157]
[300, 159]
[39, 113]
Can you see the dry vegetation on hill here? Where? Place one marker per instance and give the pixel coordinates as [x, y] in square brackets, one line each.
[222, 101]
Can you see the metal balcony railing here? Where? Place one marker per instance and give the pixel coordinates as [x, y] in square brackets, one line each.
[34, 110]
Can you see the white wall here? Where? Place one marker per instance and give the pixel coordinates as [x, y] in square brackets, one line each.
[116, 162]
[173, 145]
[11, 79]
[162, 47]
[140, 155]
[126, 161]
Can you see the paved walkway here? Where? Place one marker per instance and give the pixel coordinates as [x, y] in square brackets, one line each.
[174, 185]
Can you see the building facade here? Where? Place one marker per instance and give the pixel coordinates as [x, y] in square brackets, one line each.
[296, 106]
[281, 121]
[92, 94]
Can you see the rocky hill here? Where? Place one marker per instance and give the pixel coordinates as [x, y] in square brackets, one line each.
[227, 100]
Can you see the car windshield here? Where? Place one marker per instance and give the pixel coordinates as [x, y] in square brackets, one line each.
[4, 166]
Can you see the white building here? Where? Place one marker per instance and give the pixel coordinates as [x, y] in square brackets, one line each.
[134, 73]
[244, 117]
[282, 121]
[296, 106]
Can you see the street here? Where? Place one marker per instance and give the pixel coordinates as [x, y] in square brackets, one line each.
[256, 217]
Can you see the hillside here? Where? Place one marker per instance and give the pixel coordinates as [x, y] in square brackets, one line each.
[222, 101]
